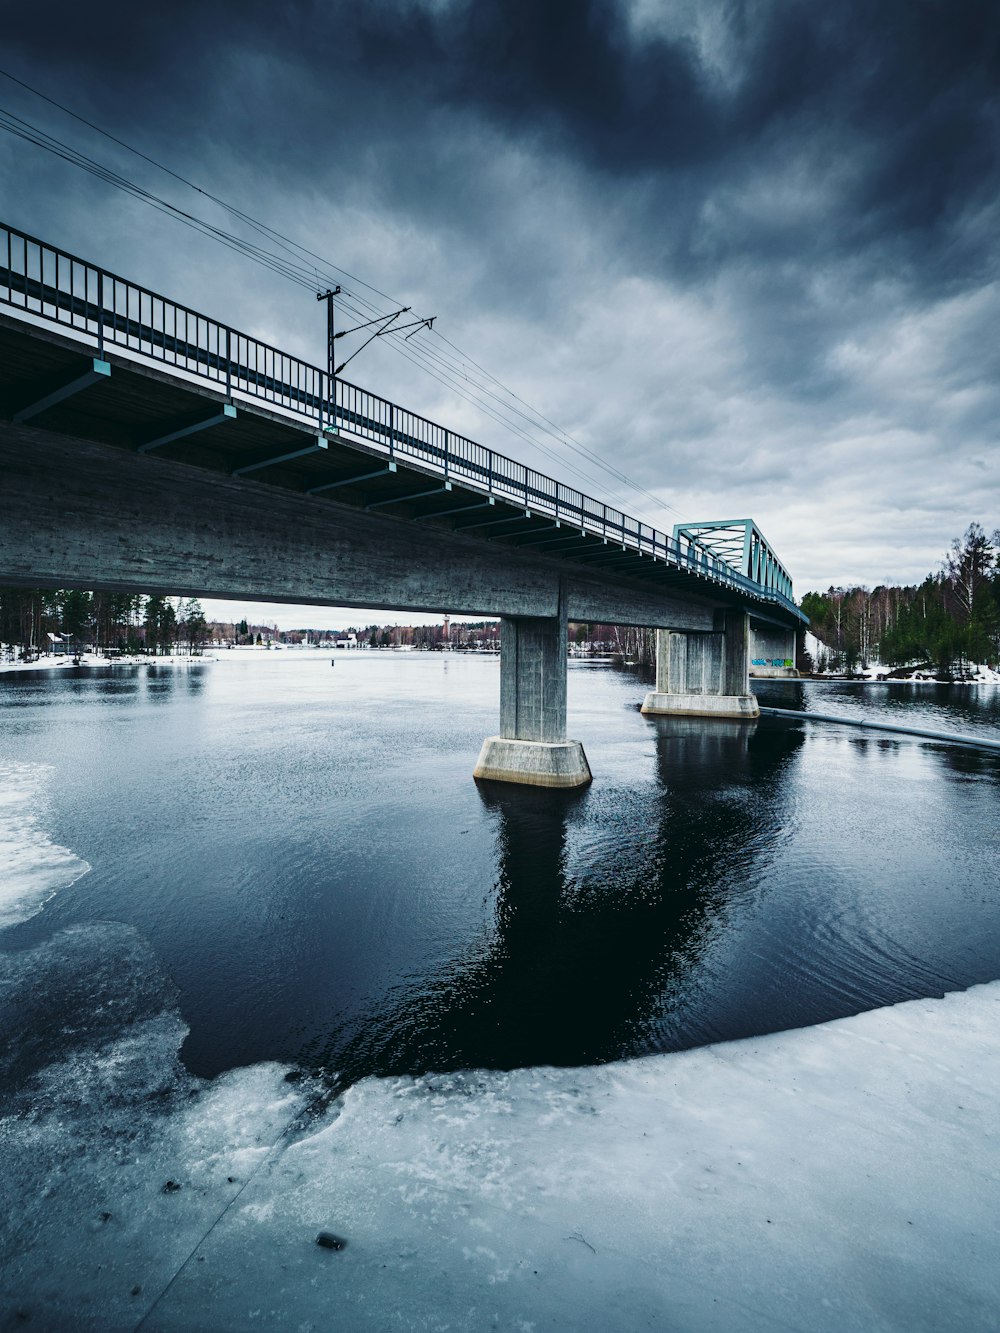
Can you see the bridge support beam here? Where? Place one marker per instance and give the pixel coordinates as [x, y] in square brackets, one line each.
[532, 747]
[704, 674]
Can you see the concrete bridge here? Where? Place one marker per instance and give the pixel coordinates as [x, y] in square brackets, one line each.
[146, 447]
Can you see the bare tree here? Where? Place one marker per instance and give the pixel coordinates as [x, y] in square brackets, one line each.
[967, 567]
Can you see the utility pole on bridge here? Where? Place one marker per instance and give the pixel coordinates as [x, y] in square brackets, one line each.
[386, 321]
[328, 296]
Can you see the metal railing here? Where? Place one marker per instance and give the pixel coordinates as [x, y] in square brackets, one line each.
[44, 283]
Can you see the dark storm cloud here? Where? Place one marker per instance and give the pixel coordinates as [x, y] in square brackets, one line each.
[778, 140]
[889, 108]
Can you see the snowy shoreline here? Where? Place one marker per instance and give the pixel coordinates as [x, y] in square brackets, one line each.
[64, 661]
[838, 1177]
[872, 675]
[877, 673]
[984, 676]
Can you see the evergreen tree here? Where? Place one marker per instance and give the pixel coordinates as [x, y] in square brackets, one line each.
[944, 623]
[192, 625]
[160, 624]
[75, 612]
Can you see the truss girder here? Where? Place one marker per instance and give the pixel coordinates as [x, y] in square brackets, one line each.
[742, 545]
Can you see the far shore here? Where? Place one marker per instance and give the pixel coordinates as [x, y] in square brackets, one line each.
[875, 674]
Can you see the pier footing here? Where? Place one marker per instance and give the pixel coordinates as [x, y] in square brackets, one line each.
[701, 705]
[535, 763]
[704, 674]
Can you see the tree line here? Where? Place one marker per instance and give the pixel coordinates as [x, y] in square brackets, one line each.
[104, 622]
[134, 623]
[946, 623]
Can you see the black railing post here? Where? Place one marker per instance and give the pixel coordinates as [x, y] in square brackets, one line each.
[229, 367]
[447, 433]
[392, 428]
[100, 313]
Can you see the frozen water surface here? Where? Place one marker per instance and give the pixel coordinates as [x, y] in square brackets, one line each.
[98, 1114]
[836, 1178]
[33, 866]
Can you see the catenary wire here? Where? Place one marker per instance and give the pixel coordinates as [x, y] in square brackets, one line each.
[417, 356]
[304, 275]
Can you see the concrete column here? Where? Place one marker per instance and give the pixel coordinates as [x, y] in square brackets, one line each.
[532, 747]
[772, 651]
[704, 674]
[533, 678]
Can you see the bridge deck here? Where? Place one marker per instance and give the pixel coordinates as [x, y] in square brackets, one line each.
[84, 353]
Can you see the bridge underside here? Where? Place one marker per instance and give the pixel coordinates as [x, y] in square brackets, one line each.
[135, 479]
[118, 477]
[78, 514]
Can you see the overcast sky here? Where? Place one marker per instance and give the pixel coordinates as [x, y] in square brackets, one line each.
[745, 253]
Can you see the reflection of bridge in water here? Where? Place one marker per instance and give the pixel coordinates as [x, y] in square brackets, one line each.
[148, 448]
[586, 963]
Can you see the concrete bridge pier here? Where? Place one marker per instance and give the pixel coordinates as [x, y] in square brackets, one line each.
[532, 747]
[704, 674]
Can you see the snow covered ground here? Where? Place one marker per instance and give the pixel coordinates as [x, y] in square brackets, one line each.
[59, 661]
[979, 673]
[844, 1177]
[62, 661]
[976, 673]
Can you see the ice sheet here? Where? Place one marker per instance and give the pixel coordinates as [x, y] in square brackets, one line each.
[32, 866]
[836, 1178]
[97, 1115]
[843, 1177]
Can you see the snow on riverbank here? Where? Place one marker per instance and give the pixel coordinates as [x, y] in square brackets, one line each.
[974, 673]
[64, 661]
[844, 1177]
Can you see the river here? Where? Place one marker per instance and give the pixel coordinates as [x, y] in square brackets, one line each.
[299, 858]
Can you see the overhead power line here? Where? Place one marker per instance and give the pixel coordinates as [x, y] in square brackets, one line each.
[452, 368]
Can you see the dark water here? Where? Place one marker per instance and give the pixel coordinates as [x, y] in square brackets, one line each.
[305, 854]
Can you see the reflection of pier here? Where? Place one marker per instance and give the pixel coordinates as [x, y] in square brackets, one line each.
[685, 743]
[583, 961]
